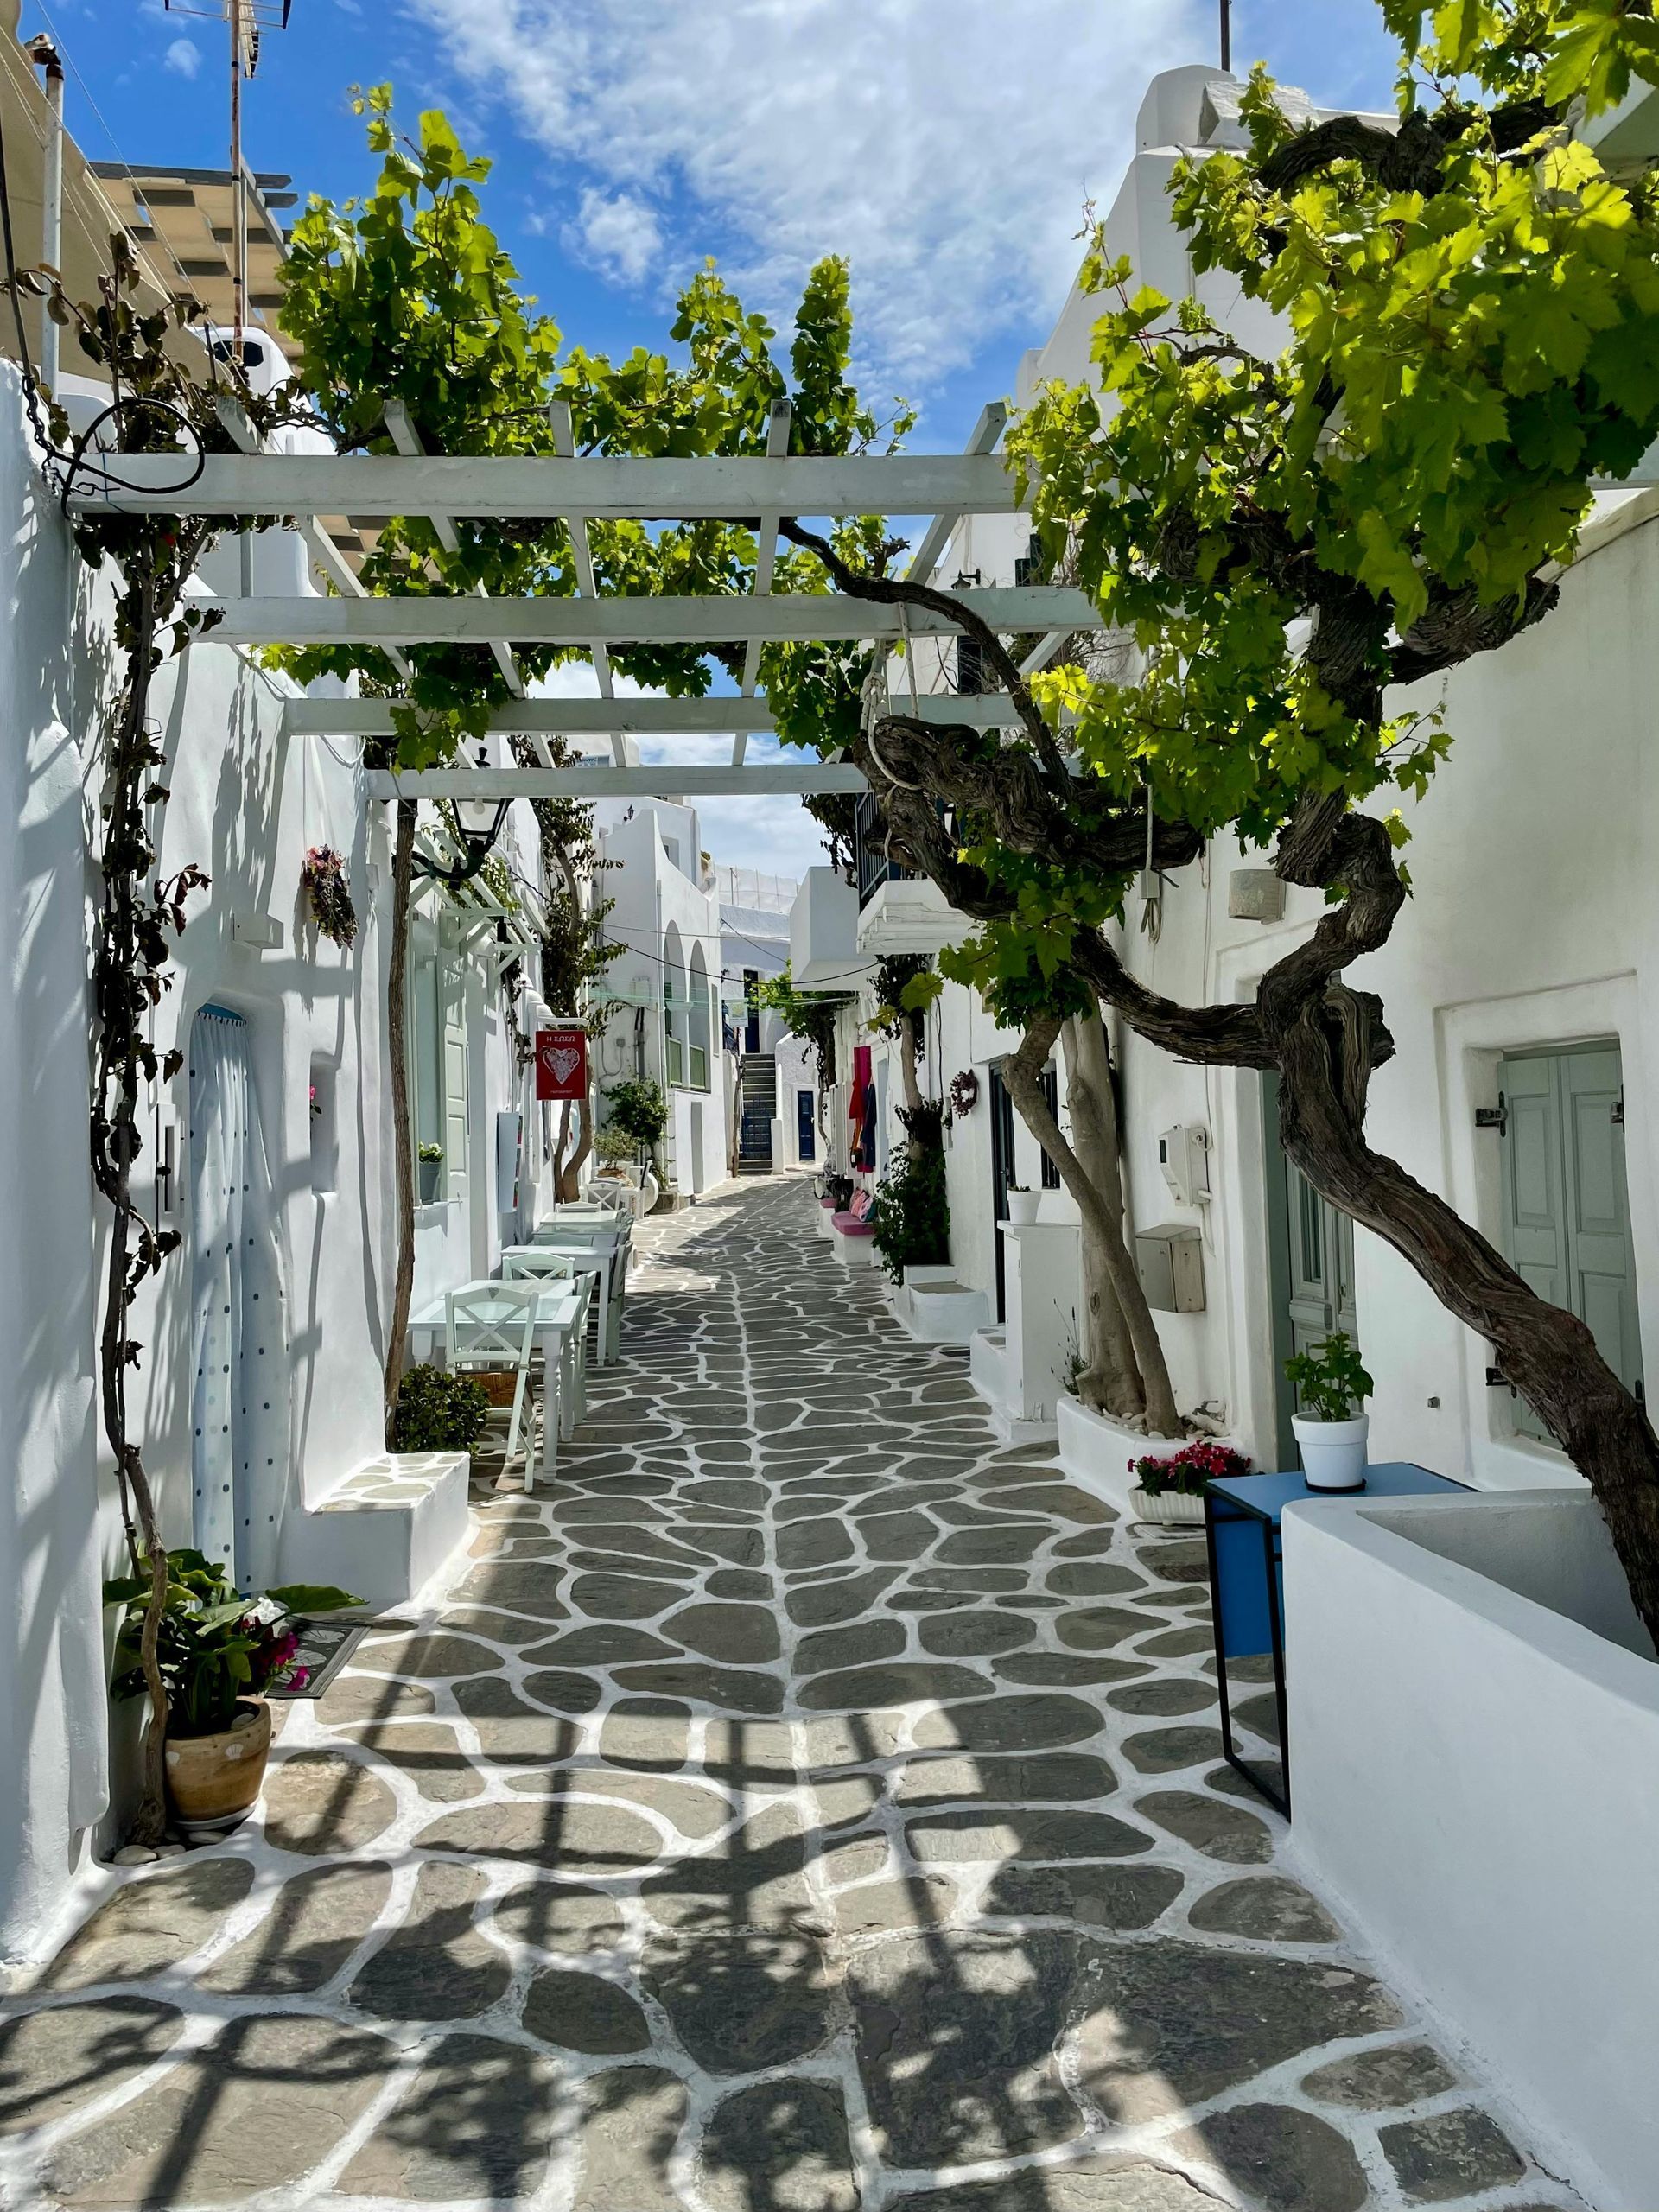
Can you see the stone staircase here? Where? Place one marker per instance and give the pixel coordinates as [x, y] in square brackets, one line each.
[758, 1079]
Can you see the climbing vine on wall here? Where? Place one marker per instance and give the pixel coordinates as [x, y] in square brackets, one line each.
[158, 405]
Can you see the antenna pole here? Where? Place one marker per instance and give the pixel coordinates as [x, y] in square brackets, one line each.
[238, 200]
[1227, 36]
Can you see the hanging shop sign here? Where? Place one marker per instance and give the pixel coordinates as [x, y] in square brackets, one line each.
[562, 1064]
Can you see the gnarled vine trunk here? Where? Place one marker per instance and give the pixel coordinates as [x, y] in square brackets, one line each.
[1135, 1376]
[1091, 1103]
[402, 1134]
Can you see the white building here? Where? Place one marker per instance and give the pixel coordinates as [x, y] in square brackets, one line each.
[1521, 966]
[665, 984]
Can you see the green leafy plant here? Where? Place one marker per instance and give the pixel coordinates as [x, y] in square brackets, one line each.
[639, 1110]
[614, 1145]
[1329, 1378]
[440, 1412]
[430, 1154]
[1188, 1471]
[214, 1644]
[910, 1210]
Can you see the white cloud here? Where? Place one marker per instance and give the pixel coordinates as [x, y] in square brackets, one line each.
[946, 146]
[617, 233]
[184, 59]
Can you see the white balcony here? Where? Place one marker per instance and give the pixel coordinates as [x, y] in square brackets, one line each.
[910, 914]
[824, 945]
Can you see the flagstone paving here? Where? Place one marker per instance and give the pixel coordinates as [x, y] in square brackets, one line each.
[807, 1805]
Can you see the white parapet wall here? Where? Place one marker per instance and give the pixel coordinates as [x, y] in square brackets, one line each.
[1474, 1767]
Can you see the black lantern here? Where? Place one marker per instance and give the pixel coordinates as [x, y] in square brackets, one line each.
[474, 825]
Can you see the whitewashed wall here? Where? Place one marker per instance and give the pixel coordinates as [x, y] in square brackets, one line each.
[245, 805]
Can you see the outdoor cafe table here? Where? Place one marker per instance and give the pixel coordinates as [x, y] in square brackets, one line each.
[584, 1259]
[593, 1229]
[561, 1329]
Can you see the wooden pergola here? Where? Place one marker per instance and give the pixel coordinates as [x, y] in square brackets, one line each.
[939, 490]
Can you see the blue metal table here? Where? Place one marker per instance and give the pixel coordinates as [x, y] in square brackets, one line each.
[1242, 1535]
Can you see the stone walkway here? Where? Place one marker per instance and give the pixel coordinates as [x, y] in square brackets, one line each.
[808, 1807]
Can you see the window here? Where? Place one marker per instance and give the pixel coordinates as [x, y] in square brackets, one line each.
[1051, 1093]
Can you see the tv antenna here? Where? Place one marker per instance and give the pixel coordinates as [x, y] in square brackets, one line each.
[247, 21]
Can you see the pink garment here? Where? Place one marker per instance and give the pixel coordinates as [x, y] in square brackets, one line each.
[862, 1072]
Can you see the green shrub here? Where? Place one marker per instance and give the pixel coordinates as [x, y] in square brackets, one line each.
[613, 1145]
[910, 1216]
[439, 1412]
[639, 1110]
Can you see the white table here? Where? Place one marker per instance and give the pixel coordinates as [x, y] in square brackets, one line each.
[581, 1259]
[560, 1338]
[595, 1229]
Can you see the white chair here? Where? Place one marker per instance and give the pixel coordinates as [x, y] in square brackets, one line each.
[494, 1330]
[541, 1265]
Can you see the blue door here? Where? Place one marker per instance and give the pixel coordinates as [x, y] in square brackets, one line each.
[806, 1126]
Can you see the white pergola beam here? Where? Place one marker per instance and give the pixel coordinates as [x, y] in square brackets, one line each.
[992, 421]
[766, 559]
[582, 552]
[326, 556]
[467, 620]
[407, 439]
[715, 717]
[601, 780]
[514, 487]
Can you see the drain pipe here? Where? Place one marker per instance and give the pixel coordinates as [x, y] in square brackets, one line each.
[47, 59]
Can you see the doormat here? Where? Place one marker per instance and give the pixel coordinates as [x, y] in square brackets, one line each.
[325, 1646]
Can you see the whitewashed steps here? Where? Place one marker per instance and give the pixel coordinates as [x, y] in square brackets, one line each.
[385, 1528]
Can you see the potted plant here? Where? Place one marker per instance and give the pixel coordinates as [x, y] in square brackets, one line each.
[323, 874]
[438, 1411]
[431, 1171]
[1171, 1486]
[617, 1151]
[218, 1651]
[639, 1110]
[1023, 1204]
[1332, 1430]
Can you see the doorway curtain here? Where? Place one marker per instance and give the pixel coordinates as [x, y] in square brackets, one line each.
[240, 1399]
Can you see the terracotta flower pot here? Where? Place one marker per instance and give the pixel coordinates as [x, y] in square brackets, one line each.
[213, 1780]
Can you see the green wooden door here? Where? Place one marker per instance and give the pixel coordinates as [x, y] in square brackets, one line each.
[1567, 1225]
[1311, 1255]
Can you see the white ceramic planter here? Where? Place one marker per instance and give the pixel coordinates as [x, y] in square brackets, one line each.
[1333, 1452]
[1174, 1508]
[1022, 1207]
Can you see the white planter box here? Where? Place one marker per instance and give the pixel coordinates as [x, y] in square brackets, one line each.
[1174, 1509]
[1096, 1451]
[1474, 1767]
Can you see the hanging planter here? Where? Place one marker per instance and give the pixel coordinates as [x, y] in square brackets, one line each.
[323, 875]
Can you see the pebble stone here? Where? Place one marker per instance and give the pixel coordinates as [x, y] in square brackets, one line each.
[803, 1803]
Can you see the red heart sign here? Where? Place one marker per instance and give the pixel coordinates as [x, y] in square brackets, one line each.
[561, 1064]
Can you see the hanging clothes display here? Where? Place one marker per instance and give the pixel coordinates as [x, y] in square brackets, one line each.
[860, 1110]
[240, 1411]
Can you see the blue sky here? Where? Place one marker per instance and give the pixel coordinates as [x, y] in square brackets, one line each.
[946, 146]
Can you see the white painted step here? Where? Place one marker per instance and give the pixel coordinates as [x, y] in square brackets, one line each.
[942, 1312]
[385, 1528]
